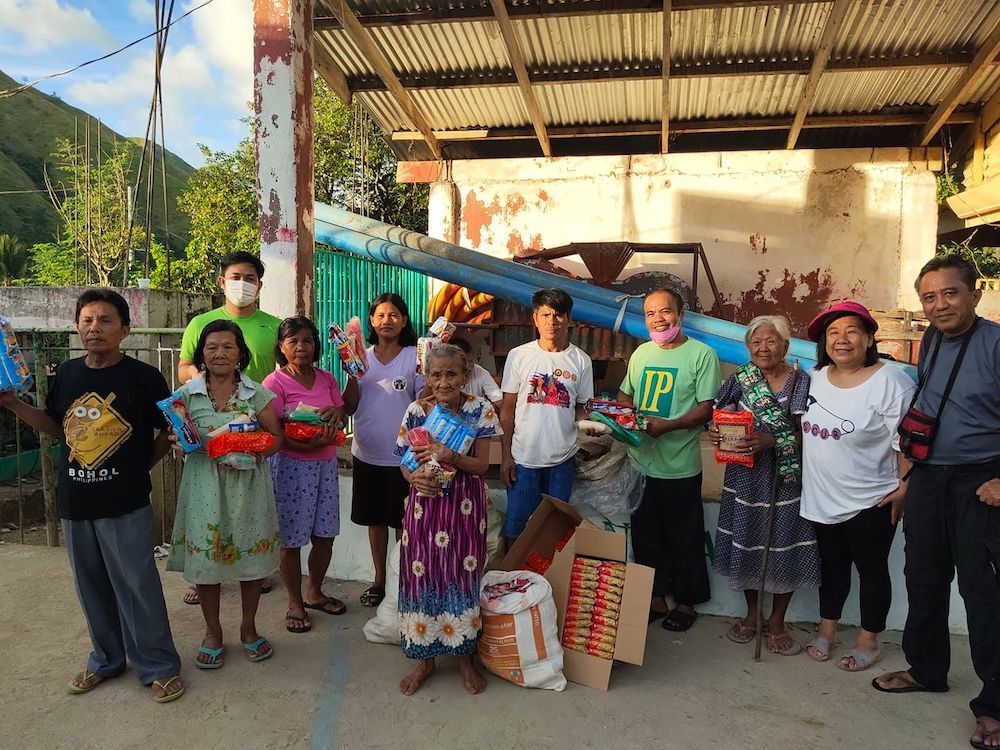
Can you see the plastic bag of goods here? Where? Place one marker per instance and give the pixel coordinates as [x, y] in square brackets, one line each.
[384, 626]
[520, 638]
[14, 373]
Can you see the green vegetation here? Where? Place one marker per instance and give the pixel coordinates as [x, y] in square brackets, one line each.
[216, 206]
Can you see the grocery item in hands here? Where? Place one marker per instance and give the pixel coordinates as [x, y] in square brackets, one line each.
[442, 329]
[446, 428]
[239, 442]
[180, 422]
[14, 373]
[350, 348]
[732, 426]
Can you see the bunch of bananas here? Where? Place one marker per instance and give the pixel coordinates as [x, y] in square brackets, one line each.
[460, 305]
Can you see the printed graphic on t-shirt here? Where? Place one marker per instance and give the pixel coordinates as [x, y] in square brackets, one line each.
[399, 384]
[94, 430]
[549, 389]
[817, 412]
[656, 391]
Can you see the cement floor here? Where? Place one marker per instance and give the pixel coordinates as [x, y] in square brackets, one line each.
[332, 689]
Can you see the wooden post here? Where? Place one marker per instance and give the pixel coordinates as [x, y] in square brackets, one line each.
[45, 450]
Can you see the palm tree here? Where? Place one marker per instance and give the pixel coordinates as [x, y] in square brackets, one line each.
[14, 259]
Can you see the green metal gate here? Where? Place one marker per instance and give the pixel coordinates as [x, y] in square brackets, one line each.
[344, 286]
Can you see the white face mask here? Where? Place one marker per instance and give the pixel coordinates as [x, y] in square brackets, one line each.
[241, 293]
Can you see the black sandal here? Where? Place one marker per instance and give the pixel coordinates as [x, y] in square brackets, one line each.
[304, 626]
[678, 621]
[372, 596]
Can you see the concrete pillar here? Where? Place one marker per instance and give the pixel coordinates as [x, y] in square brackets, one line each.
[283, 115]
[442, 211]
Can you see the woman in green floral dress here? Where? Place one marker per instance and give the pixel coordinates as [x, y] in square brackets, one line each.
[226, 527]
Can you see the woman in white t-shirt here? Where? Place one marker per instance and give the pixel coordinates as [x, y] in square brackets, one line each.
[851, 474]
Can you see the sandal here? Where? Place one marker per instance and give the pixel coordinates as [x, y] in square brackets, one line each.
[215, 654]
[303, 625]
[741, 632]
[782, 644]
[191, 597]
[86, 685]
[862, 659]
[909, 684]
[329, 605]
[678, 621]
[253, 650]
[822, 645]
[986, 734]
[372, 596]
[163, 685]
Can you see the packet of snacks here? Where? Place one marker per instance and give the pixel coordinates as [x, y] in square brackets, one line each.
[732, 426]
[14, 373]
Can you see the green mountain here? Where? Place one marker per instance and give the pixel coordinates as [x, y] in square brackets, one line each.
[30, 124]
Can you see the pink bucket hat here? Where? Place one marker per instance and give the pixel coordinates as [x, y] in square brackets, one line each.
[839, 310]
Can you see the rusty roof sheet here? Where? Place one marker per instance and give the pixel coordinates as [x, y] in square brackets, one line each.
[784, 32]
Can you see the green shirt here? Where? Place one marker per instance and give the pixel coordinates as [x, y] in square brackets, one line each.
[260, 331]
[668, 383]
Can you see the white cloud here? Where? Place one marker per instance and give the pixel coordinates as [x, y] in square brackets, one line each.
[224, 35]
[41, 25]
[141, 11]
[190, 96]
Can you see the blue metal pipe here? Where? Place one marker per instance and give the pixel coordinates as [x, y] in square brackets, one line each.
[515, 282]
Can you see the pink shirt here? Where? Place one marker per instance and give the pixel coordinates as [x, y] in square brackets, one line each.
[289, 393]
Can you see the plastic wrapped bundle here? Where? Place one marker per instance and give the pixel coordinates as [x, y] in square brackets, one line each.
[14, 372]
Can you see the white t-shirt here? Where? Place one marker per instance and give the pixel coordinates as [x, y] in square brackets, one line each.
[482, 385]
[548, 385]
[849, 444]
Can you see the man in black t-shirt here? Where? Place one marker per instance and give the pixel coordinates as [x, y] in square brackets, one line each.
[102, 407]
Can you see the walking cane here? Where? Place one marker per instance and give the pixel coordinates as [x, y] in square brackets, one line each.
[768, 534]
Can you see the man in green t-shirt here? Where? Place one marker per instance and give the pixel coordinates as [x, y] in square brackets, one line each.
[241, 280]
[672, 380]
[241, 277]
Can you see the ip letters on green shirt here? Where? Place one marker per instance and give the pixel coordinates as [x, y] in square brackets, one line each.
[260, 331]
[668, 383]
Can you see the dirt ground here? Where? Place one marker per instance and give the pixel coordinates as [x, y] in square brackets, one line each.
[332, 689]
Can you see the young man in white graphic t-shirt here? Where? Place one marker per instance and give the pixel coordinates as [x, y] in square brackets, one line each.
[545, 386]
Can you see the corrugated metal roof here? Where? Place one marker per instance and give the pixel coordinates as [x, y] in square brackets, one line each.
[782, 32]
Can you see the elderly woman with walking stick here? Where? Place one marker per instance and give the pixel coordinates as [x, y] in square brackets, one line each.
[762, 544]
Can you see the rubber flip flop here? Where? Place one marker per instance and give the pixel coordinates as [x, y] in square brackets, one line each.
[862, 659]
[322, 606]
[215, 654]
[304, 627]
[163, 685]
[191, 597]
[741, 632]
[987, 733]
[252, 648]
[372, 596]
[73, 689]
[911, 685]
[678, 622]
[821, 644]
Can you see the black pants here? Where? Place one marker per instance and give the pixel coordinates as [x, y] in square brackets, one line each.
[668, 535]
[947, 527]
[863, 541]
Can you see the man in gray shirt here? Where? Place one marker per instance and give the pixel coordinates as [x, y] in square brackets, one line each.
[953, 498]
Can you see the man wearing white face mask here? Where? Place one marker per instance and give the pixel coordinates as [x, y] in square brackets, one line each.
[241, 282]
[672, 380]
[240, 279]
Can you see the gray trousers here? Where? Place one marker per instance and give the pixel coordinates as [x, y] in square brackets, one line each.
[121, 596]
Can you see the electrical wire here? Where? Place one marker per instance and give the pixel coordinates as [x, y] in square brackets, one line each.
[24, 87]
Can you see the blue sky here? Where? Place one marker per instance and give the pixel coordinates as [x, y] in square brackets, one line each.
[207, 74]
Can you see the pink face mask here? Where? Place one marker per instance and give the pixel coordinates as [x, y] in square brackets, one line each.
[664, 337]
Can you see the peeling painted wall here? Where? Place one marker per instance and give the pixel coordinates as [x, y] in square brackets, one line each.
[783, 231]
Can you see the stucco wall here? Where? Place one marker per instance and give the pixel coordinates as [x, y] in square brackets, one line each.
[787, 230]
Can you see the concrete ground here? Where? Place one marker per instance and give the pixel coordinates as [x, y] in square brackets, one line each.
[332, 689]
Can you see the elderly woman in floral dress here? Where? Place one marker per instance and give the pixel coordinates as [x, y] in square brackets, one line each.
[444, 531]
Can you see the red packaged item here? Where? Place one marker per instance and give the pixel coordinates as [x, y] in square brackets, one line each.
[537, 563]
[301, 431]
[565, 540]
[239, 442]
[732, 426]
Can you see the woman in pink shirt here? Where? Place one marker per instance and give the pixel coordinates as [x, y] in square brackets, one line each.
[304, 473]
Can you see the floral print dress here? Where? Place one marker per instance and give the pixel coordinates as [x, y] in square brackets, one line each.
[226, 526]
[443, 550]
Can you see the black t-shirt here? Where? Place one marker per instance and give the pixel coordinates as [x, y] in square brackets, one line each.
[109, 416]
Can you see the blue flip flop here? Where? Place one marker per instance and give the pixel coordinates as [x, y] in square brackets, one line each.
[215, 654]
[252, 648]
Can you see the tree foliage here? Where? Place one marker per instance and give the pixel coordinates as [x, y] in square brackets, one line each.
[15, 260]
[91, 197]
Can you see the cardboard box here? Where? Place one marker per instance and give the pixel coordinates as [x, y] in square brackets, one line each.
[547, 529]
